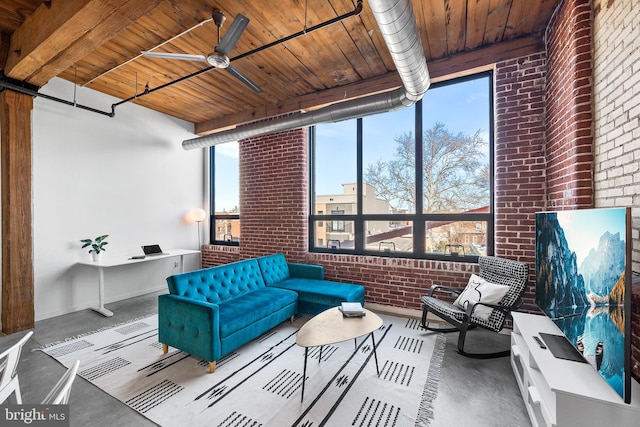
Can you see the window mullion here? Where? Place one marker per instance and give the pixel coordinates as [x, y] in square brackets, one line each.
[419, 222]
[212, 189]
[312, 188]
[359, 222]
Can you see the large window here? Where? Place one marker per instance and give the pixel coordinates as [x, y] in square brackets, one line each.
[225, 194]
[416, 182]
[335, 184]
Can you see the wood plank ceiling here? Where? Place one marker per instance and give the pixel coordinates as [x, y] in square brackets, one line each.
[97, 44]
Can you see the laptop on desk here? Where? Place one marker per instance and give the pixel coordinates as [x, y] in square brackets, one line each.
[151, 250]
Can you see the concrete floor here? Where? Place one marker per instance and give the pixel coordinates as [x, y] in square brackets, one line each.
[470, 392]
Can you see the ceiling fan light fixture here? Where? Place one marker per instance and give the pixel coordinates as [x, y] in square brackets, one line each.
[217, 60]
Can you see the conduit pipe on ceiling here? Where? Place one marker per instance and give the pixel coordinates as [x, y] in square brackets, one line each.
[26, 89]
[397, 24]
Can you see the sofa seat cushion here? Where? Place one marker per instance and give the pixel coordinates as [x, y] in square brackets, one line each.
[323, 292]
[238, 313]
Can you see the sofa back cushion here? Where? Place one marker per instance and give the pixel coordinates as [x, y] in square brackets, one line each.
[274, 268]
[218, 284]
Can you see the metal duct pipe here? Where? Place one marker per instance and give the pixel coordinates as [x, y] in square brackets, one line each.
[397, 24]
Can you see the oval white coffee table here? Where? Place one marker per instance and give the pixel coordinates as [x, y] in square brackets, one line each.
[330, 327]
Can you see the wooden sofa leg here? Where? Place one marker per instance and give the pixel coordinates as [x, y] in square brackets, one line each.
[165, 348]
[212, 367]
[292, 318]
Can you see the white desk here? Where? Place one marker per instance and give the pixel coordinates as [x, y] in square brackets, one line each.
[119, 261]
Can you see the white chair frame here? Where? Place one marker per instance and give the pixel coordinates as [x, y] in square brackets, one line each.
[59, 394]
[9, 383]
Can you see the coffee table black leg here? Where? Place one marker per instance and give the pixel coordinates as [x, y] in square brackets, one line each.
[375, 355]
[304, 372]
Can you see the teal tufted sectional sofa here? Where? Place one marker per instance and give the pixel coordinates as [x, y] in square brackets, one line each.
[211, 312]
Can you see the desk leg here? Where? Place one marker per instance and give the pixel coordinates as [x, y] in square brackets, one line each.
[375, 355]
[304, 372]
[181, 263]
[100, 308]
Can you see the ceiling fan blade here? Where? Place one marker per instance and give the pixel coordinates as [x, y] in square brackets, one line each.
[230, 38]
[244, 79]
[179, 56]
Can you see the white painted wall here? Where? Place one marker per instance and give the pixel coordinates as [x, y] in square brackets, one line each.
[616, 90]
[126, 176]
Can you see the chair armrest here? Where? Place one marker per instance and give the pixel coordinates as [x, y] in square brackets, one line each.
[306, 271]
[445, 289]
[189, 325]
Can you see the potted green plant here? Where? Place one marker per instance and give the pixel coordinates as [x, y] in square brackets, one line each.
[97, 246]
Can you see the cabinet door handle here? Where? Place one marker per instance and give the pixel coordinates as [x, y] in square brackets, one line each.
[535, 396]
[515, 350]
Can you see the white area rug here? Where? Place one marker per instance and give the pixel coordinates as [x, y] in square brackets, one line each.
[260, 383]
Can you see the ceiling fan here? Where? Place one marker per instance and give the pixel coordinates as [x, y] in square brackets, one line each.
[219, 57]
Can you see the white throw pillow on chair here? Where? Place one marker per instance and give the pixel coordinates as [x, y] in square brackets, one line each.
[479, 290]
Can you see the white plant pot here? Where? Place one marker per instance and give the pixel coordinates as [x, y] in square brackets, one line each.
[96, 256]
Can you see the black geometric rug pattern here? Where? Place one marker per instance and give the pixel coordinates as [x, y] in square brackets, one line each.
[259, 384]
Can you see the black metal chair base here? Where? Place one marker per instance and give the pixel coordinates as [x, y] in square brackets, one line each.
[438, 329]
[505, 353]
[462, 328]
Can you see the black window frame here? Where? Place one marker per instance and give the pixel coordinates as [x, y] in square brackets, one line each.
[419, 219]
[213, 217]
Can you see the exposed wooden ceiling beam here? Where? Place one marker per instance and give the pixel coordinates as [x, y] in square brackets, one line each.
[59, 33]
[469, 62]
[5, 40]
[441, 69]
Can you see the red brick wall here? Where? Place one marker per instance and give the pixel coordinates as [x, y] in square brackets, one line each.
[394, 282]
[273, 195]
[218, 254]
[520, 164]
[273, 199]
[570, 107]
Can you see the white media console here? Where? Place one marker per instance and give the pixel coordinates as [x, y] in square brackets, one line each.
[560, 392]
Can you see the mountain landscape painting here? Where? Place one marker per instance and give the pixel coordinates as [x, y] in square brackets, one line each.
[581, 284]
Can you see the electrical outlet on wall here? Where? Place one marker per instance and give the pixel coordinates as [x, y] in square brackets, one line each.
[176, 264]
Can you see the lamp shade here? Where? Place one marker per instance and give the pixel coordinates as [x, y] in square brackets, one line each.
[194, 215]
[199, 215]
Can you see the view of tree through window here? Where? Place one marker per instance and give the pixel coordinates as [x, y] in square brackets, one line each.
[456, 166]
[442, 208]
[389, 161]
